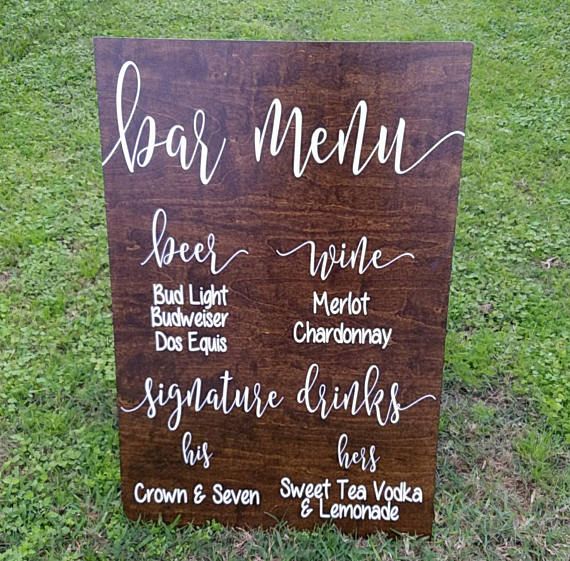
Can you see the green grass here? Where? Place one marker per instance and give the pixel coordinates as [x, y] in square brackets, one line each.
[503, 475]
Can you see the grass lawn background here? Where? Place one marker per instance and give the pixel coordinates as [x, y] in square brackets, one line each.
[503, 463]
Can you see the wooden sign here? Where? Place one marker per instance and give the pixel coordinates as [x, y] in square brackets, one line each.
[281, 220]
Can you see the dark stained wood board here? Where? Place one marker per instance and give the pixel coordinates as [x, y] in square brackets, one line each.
[264, 220]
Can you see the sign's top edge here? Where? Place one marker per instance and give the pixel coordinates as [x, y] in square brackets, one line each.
[279, 41]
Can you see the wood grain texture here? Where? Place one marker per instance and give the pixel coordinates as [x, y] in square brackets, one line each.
[261, 206]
